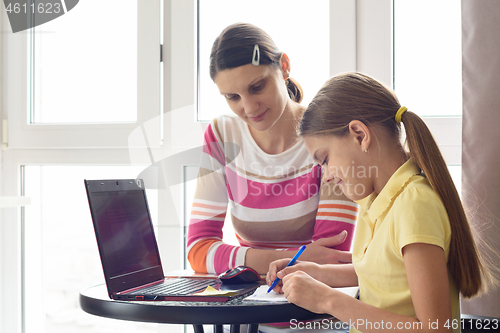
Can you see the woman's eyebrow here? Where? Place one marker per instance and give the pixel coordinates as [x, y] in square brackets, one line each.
[257, 80]
[260, 78]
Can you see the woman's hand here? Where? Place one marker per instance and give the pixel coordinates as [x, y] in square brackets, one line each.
[278, 269]
[305, 291]
[321, 251]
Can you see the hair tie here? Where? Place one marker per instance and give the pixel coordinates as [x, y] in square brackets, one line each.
[256, 55]
[400, 112]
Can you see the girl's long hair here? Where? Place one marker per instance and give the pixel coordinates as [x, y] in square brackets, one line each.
[355, 96]
[234, 47]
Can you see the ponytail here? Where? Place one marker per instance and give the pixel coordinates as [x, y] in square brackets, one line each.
[295, 90]
[465, 264]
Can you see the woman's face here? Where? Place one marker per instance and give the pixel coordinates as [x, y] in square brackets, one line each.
[256, 94]
[342, 164]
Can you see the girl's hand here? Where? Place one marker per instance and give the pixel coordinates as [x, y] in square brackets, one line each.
[278, 269]
[305, 291]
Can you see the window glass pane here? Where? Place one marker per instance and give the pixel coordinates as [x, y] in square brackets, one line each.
[301, 31]
[60, 249]
[428, 56]
[84, 65]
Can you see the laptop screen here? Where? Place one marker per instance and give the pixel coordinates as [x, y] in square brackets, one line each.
[123, 227]
[124, 232]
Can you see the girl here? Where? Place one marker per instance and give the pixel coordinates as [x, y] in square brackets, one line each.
[413, 251]
[255, 163]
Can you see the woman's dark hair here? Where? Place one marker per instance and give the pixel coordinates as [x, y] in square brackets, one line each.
[234, 47]
[355, 96]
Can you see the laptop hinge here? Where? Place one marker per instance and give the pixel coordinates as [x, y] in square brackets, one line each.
[140, 287]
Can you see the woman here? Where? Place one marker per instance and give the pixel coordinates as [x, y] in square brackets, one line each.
[255, 162]
[413, 252]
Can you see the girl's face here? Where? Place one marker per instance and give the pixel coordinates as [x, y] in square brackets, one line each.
[343, 164]
[256, 94]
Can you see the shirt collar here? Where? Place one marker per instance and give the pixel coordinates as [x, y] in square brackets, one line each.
[375, 205]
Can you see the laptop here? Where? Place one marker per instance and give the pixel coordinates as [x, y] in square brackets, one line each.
[129, 252]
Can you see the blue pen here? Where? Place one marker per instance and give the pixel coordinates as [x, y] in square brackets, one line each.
[294, 259]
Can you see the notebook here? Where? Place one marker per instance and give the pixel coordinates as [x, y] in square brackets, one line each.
[129, 252]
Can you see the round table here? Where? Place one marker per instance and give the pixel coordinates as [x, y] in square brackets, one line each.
[95, 300]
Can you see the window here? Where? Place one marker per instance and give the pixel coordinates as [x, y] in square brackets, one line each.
[87, 78]
[301, 31]
[60, 249]
[322, 38]
[345, 36]
[85, 73]
[428, 70]
[428, 56]
[81, 99]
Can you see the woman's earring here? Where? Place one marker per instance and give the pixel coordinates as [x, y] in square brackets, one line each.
[287, 76]
[366, 150]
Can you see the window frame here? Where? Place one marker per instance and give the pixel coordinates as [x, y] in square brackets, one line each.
[25, 135]
[360, 41]
[68, 144]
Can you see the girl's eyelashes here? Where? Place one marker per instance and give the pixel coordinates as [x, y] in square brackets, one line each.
[321, 162]
[324, 164]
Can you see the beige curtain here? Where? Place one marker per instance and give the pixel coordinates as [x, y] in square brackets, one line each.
[481, 133]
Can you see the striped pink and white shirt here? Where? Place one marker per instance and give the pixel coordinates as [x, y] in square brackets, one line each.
[276, 201]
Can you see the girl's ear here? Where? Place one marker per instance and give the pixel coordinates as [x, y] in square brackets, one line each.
[361, 134]
[285, 65]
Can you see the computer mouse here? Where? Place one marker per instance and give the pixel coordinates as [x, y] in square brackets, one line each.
[239, 275]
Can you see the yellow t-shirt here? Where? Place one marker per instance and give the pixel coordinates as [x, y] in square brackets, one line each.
[406, 211]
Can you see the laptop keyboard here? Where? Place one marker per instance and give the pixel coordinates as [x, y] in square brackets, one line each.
[180, 286]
